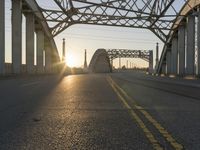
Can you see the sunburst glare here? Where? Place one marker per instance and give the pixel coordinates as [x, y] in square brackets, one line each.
[70, 61]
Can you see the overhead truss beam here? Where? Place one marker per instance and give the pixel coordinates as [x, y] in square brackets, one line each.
[126, 53]
[147, 14]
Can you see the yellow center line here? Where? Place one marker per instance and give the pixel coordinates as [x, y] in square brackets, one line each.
[155, 123]
[141, 124]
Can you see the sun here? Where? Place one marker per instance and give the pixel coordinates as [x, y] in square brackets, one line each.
[70, 61]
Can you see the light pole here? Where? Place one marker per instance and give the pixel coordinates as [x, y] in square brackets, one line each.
[157, 53]
[85, 62]
[63, 52]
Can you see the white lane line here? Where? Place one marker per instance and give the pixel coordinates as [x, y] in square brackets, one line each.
[29, 84]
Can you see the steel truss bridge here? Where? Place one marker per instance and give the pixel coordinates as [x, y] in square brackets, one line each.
[162, 17]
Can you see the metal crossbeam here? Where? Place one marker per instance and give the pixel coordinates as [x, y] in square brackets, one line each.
[147, 14]
[125, 53]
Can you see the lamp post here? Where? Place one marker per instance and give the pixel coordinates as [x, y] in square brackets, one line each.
[63, 53]
[85, 61]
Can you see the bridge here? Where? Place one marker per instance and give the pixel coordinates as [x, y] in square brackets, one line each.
[102, 60]
[146, 55]
[43, 108]
[170, 25]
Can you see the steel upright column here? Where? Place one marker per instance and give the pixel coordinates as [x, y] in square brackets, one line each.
[48, 58]
[190, 53]
[163, 71]
[111, 63]
[198, 42]
[150, 61]
[2, 37]
[174, 56]
[157, 53]
[30, 28]
[168, 62]
[119, 62]
[16, 35]
[181, 49]
[40, 50]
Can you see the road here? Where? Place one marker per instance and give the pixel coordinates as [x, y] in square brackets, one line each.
[127, 110]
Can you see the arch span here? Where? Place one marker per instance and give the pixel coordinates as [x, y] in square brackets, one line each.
[100, 62]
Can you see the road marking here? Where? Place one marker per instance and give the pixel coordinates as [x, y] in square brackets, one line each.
[155, 123]
[141, 124]
[29, 84]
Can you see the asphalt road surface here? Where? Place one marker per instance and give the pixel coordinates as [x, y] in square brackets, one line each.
[127, 110]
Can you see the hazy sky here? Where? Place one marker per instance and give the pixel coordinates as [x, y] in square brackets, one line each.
[90, 37]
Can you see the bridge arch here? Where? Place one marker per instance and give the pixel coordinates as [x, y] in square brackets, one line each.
[100, 62]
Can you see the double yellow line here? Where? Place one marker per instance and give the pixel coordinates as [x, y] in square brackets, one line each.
[124, 97]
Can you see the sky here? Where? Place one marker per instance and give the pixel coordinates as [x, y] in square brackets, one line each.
[90, 37]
